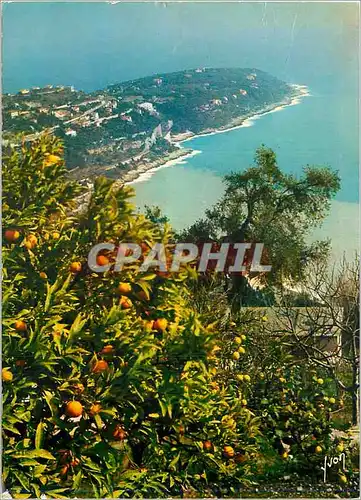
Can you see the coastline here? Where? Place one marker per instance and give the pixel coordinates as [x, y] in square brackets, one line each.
[247, 120]
[144, 171]
[147, 171]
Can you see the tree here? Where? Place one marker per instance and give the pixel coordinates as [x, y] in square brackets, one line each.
[108, 379]
[263, 204]
[331, 315]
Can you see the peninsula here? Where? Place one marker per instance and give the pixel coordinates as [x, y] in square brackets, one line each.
[129, 128]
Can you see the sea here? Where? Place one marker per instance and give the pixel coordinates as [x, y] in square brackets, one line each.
[91, 45]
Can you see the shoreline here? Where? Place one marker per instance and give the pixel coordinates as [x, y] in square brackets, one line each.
[246, 121]
[144, 172]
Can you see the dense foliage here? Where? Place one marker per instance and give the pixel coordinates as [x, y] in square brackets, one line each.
[121, 384]
[263, 204]
[108, 379]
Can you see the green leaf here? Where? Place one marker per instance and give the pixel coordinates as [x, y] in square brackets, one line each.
[36, 490]
[29, 462]
[77, 480]
[55, 494]
[98, 421]
[11, 429]
[76, 327]
[174, 462]
[39, 435]
[23, 480]
[34, 454]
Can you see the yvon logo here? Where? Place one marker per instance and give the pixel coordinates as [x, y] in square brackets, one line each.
[332, 461]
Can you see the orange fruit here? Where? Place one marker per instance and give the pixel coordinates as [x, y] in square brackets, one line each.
[43, 276]
[64, 470]
[102, 260]
[107, 349]
[94, 409]
[318, 449]
[125, 303]
[100, 366]
[119, 433]
[64, 456]
[75, 462]
[6, 375]
[228, 451]
[75, 267]
[20, 326]
[207, 445]
[148, 326]
[11, 235]
[51, 160]
[20, 362]
[74, 409]
[160, 324]
[31, 241]
[124, 288]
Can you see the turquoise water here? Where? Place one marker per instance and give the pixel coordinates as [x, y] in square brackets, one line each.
[299, 134]
[91, 45]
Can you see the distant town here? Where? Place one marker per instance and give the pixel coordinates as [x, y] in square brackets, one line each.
[138, 124]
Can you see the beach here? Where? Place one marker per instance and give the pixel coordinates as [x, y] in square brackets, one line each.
[146, 170]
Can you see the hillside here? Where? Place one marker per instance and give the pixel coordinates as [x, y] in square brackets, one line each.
[133, 123]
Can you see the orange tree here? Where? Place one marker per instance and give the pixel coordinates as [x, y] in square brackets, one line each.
[108, 379]
[293, 400]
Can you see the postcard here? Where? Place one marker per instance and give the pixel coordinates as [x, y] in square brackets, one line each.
[180, 249]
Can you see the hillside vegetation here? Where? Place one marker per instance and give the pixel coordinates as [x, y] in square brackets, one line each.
[133, 122]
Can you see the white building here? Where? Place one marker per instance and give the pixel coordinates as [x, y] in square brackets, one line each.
[147, 106]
